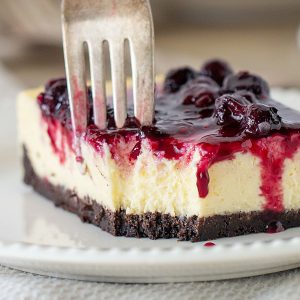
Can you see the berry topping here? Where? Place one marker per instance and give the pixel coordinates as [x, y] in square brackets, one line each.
[274, 227]
[54, 101]
[135, 152]
[248, 82]
[230, 109]
[218, 70]
[175, 79]
[261, 119]
[252, 119]
[248, 95]
[201, 79]
[206, 113]
[209, 244]
[193, 106]
[132, 122]
[201, 95]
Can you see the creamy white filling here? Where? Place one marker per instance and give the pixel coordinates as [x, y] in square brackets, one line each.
[291, 183]
[151, 184]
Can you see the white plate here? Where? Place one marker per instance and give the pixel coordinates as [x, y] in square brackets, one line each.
[37, 237]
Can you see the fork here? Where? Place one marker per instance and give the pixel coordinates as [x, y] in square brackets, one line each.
[93, 23]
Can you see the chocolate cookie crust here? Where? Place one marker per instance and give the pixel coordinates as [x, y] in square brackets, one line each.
[155, 225]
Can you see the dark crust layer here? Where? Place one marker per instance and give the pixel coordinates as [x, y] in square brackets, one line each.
[156, 225]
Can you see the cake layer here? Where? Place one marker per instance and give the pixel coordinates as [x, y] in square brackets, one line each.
[156, 225]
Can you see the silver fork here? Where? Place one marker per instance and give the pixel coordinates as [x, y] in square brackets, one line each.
[113, 21]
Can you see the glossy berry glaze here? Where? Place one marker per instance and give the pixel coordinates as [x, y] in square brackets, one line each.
[274, 227]
[209, 244]
[214, 111]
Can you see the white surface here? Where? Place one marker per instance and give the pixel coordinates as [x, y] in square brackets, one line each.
[16, 285]
[35, 236]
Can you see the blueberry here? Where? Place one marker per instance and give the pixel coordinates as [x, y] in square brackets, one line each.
[248, 95]
[201, 79]
[201, 91]
[249, 82]
[218, 70]
[55, 98]
[175, 79]
[252, 119]
[261, 119]
[230, 109]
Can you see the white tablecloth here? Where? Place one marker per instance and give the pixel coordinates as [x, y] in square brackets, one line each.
[17, 285]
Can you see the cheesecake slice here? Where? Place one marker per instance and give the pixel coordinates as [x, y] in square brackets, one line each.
[221, 159]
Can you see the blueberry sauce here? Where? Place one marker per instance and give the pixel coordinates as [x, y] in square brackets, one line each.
[209, 244]
[60, 138]
[213, 111]
[272, 152]
[274, 227]
[202, 182]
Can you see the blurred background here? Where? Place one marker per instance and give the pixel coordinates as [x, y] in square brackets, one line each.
[259, 35]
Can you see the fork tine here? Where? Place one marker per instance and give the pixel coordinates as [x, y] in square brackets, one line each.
[75, 71]
[117, 57]
[143, 78]
[96, 55]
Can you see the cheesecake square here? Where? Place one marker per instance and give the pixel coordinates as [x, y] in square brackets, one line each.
[221, 158]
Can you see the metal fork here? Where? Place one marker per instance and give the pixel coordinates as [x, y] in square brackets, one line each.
[94, 22]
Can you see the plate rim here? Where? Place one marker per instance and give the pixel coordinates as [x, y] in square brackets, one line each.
[113, 265]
